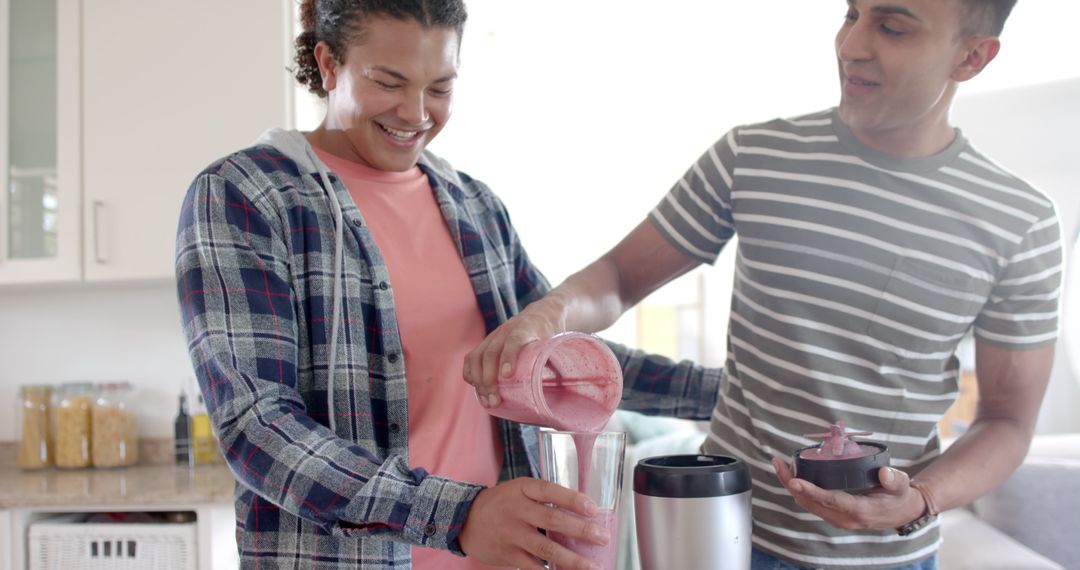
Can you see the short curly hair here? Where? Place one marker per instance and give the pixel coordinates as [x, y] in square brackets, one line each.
[340, 22]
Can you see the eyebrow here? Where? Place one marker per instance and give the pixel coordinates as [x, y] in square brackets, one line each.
[891, 10]
[397, 75]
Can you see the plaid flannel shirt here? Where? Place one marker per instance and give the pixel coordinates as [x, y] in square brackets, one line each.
[255, 275]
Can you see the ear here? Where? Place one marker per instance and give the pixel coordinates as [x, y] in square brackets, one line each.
[979, 52]
[328, 67]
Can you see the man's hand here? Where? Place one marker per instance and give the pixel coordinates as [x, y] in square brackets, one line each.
[497, 354]
[891, 505]
[501, 528]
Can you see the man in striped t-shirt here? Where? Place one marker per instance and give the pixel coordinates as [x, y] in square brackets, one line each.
[871, 238]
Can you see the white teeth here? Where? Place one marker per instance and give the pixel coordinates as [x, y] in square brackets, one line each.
[400, 135]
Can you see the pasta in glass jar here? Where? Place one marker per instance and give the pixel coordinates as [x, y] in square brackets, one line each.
[115, 433]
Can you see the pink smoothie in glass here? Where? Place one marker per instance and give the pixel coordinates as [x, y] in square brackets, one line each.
[605, 555]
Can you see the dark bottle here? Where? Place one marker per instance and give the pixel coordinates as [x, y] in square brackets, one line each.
[182, 433]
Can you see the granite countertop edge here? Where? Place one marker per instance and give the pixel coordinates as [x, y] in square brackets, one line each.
[156, 481]
[119, 487]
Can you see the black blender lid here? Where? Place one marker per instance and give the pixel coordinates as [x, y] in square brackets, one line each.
[691, 476]
[852, 475]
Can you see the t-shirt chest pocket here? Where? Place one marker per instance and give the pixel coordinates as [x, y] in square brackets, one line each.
[924, 309]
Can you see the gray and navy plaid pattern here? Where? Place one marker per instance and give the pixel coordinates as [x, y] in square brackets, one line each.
[255, 279]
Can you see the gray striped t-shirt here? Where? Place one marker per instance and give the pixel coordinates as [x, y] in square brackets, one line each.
[856, 276]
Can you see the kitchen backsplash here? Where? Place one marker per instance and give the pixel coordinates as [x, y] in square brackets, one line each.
[96, 333]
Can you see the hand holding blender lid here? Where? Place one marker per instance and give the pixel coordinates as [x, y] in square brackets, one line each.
[840, 463]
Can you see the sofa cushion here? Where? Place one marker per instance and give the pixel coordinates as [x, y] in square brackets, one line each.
[639, 427]
[971, 544]
[1039, 505]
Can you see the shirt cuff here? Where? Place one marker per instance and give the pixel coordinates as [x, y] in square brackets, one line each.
[438, 513]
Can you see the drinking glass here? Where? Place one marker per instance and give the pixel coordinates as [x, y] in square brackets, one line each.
[590, 463]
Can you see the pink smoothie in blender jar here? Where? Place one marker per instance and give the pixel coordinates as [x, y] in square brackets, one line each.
[571, 382]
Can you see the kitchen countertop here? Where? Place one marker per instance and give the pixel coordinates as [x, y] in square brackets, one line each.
[138, 485]
[155, 481]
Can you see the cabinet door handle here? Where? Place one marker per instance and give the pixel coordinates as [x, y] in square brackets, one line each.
[99, 257]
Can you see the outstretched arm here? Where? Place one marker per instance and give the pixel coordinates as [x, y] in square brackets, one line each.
[588, 301]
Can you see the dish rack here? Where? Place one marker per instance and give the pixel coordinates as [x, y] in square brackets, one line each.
[71, 543]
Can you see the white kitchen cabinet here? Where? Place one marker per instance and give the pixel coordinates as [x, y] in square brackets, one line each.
[207, 491]
[39, 141]
[169, 87]
[7, 548]
[119, 104]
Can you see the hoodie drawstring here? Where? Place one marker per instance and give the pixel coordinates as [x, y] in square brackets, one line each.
[339, 239]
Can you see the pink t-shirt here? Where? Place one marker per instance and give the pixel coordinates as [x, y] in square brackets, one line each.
[450, 434]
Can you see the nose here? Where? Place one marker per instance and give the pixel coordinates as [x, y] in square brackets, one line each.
[853, 42]
[413, 108]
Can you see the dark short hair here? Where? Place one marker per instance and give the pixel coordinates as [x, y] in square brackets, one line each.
[340, 22]
[984, 17]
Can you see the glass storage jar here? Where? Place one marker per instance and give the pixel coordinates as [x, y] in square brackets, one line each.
[115, 434]
[71, 424]
[32, 418]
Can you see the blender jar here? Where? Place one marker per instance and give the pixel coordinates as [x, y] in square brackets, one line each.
[571, 381]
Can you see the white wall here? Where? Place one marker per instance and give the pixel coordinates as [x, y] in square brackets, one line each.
[1034, 131]
[96, 333]
[580, 115]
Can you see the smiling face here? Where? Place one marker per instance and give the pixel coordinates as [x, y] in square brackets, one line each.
[391, 93]
[900, 62]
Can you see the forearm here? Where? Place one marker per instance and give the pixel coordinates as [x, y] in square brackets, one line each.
[275, 449]
[1011, 387]
[588, 301]
[980, 460]
[595, 297]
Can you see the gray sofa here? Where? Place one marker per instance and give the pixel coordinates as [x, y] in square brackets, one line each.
[1031, 522]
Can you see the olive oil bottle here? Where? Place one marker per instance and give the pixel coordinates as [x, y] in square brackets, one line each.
[203, 446]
